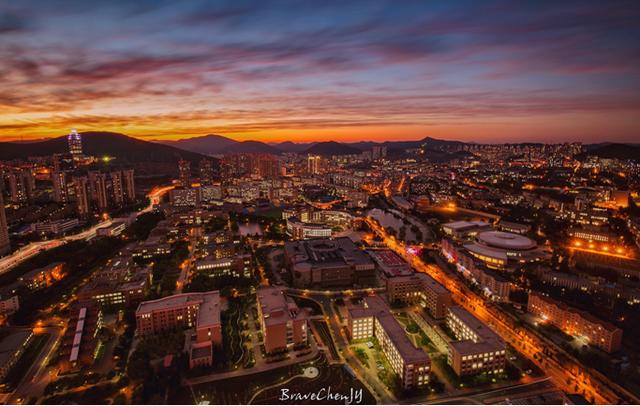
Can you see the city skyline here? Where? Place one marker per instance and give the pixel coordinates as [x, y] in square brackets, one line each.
[489, 73]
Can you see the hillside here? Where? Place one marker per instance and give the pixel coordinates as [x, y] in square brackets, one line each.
[442, 145]
[213, 144]
[288, 146]
[330, 148]
[125, 149]
[210, 144]
[251, 147]
[615, 151]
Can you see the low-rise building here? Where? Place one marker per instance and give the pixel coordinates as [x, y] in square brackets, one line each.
[238, 266]
[593, 234]
[478, 349]
[43, 277]
[575, 322]
[184, 197]
[328, 263]
[55, 227]
[119, 283]
[80, 342]
[113, 230]
[283, 323]
[299, 230]
[515, 228]
[390, 263]
[412, 364]
[200, 311]
[9, 304]
[492, 283]
[465, 229]
[420, 288]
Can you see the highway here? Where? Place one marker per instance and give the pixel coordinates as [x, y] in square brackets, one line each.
[568, 377]
[35, 248]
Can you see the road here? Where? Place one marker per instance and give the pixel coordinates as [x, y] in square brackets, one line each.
[35, 248]
[572, 377]
[480, 397]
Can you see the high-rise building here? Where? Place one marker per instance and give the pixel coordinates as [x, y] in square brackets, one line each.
[29, 183]
[129, 185]
[60, 190]
[75, 144]
[184, 171]
[268, 166]
[81, 185]
[313, 164]
[2, 180]
[22, 185]
[5, 245]
[98, 189]
[378, 151]
[62, 162]
[117, 188]
[206, 172]
[17, 188]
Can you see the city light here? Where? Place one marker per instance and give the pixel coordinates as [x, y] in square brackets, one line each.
[259, 196]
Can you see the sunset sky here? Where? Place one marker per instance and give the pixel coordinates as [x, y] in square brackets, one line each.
[486, 71]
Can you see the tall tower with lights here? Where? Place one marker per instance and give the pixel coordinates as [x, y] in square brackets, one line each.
[75, 144]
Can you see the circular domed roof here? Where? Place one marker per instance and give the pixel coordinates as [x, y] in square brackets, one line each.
[507, 241]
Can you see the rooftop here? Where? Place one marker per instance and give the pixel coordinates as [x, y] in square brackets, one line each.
[584, 315]
[488, 340]
[376, 307]
[464, 225]
[327, 252]
[276, 308]
[208, 302]
[501, 239]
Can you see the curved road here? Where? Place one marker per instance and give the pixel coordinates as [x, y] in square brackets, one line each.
[35, 248]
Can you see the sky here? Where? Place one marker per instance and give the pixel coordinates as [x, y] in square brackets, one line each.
[483, 71]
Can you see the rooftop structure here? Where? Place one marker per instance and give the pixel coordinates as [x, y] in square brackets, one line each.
[390, 263]
[328, 262]
[496, 249]
[200, 311]
[75, 144]
[375, 320]
[464, 229]
[420, 288]
[477, 349]
[574, 322]
[283, 324]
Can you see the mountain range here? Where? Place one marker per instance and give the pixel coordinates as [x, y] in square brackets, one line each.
[214, 144]
[126, 149]
[133, 150]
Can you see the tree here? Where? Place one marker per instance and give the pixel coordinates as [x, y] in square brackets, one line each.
[390, 230]
[403, 233]
[139, 367]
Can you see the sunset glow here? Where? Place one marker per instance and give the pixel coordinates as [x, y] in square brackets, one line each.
[480, 71]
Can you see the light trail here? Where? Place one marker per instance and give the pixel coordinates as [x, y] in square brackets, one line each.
[28, 251]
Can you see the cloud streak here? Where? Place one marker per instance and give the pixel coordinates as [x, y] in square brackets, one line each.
[323, 70]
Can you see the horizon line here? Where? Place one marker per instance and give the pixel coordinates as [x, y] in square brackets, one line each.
[148, 138]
